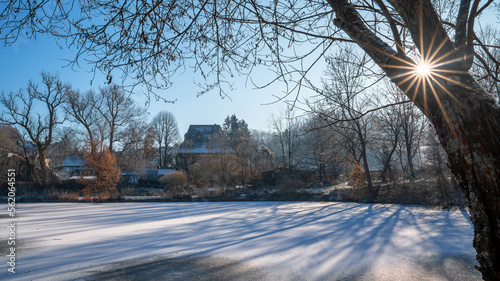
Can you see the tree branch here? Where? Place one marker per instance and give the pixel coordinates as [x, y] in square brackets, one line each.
[394, 29]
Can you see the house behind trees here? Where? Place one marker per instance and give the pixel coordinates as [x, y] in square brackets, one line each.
[201, 141]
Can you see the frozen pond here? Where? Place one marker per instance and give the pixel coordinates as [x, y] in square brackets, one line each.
[239, 241]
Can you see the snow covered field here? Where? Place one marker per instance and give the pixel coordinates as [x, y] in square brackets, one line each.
[239, 241]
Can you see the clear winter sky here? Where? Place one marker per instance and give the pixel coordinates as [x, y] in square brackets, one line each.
[25, 60]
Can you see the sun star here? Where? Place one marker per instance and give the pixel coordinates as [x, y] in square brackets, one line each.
[423, 69]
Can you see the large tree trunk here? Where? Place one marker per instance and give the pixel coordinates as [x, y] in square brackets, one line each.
[466, 118]
[44, 169]
[471, 140]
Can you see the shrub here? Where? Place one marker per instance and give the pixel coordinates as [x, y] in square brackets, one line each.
[102, 162]
[174, 180]
[61, 195]
[199, 175]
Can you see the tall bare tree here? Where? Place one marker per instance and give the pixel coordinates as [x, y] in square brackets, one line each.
[135, 151]
[37, 125]
[81, 108]
[287, 135]
[413, 127]
[343, 102]
[150, 41]
[322, 146]
[388, 129]
[166, 135]
[464, 115]
[117, 110]
[402, 126]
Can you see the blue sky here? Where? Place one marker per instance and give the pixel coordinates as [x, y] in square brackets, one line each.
[25, 59]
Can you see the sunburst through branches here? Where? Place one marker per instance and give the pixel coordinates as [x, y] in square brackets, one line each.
[423, 69]
[427, 75]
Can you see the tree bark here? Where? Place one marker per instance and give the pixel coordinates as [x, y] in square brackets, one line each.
[472, 143]
[42, 159]
[466, 118]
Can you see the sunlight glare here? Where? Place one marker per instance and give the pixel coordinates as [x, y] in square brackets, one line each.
[423, 69]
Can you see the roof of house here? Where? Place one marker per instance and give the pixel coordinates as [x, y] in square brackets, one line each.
[199, 135]
[198, 139]
[73, 161]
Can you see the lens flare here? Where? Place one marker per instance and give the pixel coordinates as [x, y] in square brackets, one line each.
[423, 69]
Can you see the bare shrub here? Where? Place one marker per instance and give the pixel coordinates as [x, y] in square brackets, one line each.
[423, 192]
[289, 184]
[199, 176]
[357, 193]
[61, 195]
[174, 180]
[228, 170]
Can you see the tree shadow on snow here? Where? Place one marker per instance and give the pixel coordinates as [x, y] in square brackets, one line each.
[334, 241]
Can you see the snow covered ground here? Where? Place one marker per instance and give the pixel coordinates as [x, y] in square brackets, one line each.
[239, 241]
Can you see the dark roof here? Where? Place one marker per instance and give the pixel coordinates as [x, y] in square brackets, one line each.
[199, 139]
[199, 135]
[73, 161]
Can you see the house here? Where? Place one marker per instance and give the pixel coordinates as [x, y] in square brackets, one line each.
[201, 141]
[73, 167]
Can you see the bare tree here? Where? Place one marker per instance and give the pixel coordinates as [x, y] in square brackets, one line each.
[322, 144]
[38, 126]
[413, 127]
[486, 68]
[8, 148]
[287, 135]
[82, 109]
[464, 115]
[66, 143]
[401, 129]
[150, 41]
[117, 110]
[437, 166]
[388, 126]
[166, 135]
[342, 104]
[135, 151]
